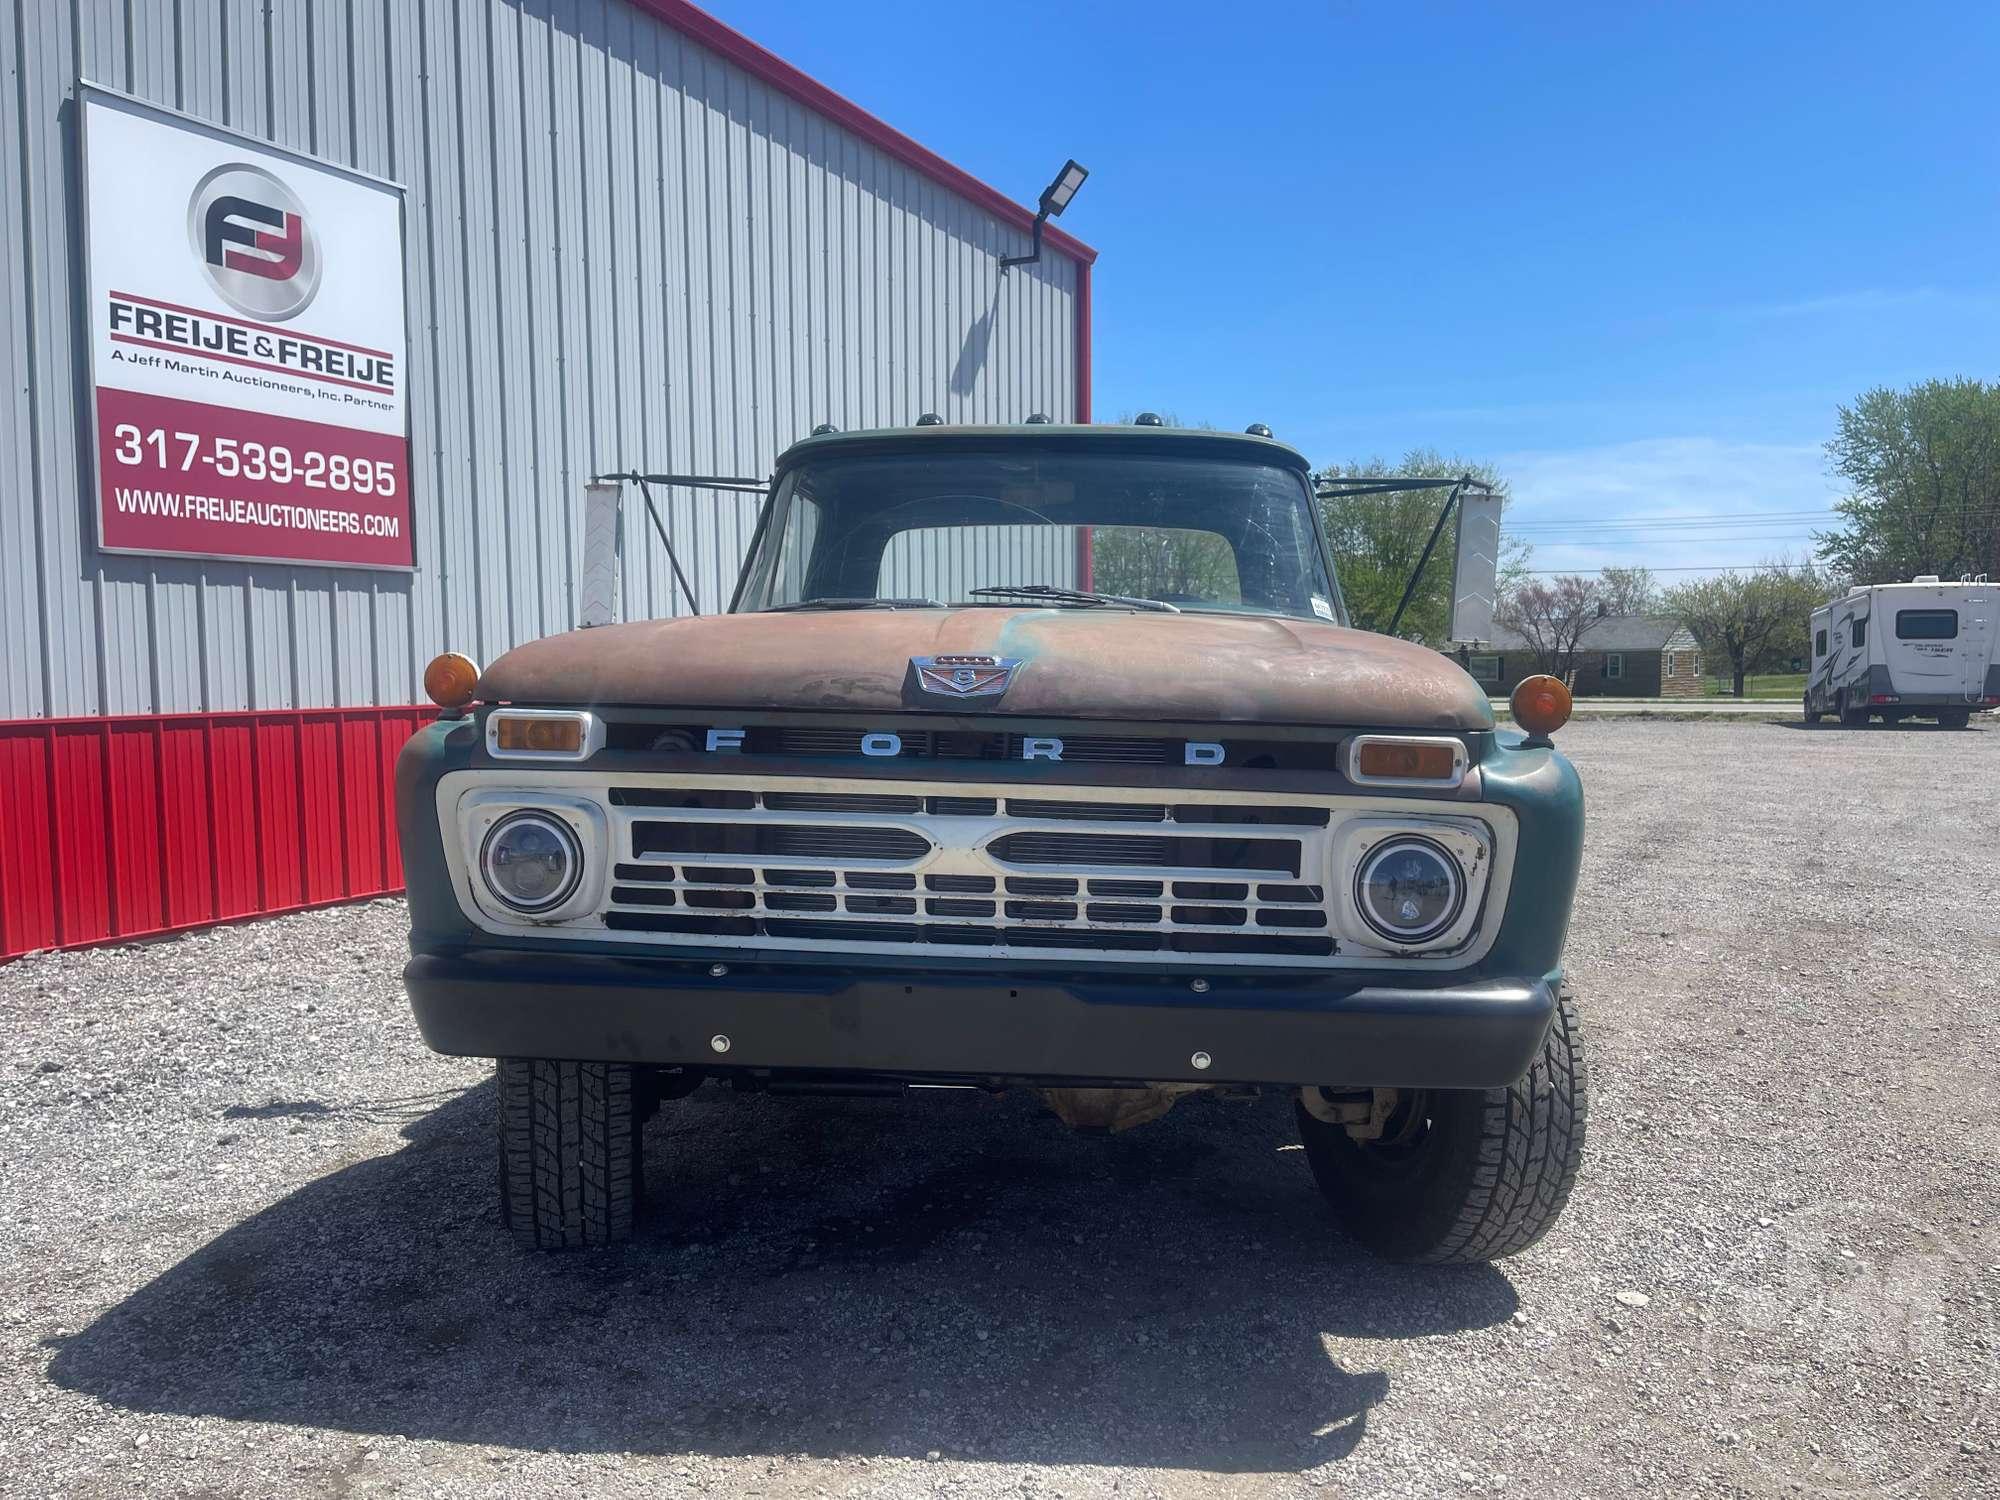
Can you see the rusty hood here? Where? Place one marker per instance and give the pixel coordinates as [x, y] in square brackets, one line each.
[1075, 663]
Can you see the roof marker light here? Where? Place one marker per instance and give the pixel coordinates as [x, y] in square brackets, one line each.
[930, 419]
[1148, 419]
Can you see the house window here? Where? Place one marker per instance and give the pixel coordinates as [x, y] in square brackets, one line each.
[1614, 666]
[1486, 668]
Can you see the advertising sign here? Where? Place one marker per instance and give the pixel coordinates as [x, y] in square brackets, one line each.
[248, 350]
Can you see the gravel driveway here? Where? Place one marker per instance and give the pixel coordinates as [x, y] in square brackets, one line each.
[251, 1246]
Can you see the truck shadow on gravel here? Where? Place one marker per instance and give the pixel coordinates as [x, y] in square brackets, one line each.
[944, 1272]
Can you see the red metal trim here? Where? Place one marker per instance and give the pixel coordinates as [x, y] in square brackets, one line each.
[1083, 373]
[1086, 558]
[141, 824]
[698, 25]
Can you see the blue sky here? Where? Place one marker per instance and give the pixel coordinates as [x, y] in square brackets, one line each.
[1633, 255]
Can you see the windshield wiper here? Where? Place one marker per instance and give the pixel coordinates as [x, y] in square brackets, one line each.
[1073, 596]
[865, 603]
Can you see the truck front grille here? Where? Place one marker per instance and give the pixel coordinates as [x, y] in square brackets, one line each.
[770, 864]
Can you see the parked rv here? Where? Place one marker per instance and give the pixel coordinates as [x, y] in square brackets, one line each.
[1918, 650]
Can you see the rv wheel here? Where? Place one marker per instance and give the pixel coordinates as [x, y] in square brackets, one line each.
[1955, 718]
[1812, 715]
[1854, 716]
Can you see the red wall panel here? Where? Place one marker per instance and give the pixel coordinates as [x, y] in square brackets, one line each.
[82, 845]
[186, 860]
[280, 830]
[236, 864]
[27, 844]
[123, 827]
[132, 818]
[323, 794]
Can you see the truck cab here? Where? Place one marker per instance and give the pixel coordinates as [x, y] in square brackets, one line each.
[1025, 757]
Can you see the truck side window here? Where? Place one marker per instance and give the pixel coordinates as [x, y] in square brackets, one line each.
[1819, 644]
[1926, 624]
[1860, 633]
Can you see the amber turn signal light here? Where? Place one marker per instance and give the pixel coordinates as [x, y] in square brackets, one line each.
[451, 680]
[1406, 762]
[538, 736]
[1540, 704]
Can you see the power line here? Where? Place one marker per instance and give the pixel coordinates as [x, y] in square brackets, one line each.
[1728, 567]
[1982, 512]
[1788, 516]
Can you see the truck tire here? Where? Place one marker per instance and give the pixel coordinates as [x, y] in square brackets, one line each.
[570, 1173]
[1955, 718]
[1463, 1175]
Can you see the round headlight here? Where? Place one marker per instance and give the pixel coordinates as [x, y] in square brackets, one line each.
[531, 861]
[1409, 889]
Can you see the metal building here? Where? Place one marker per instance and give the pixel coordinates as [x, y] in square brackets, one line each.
[631, 238]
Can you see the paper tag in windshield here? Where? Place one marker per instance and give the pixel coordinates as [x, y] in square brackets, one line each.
[1322, 608]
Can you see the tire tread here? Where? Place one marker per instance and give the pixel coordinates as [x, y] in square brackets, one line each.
[569, 1152]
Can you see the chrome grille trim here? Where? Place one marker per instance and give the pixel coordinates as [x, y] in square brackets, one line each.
[827, 864]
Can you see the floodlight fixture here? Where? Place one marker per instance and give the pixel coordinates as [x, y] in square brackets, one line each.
[1055, 198]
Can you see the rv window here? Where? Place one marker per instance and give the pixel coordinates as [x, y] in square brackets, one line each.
[1819, 644]
[1614, 664]
[1926, 624]
[1860, 633]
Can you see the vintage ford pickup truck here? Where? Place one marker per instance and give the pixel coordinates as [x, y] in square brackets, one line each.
[1024, 757]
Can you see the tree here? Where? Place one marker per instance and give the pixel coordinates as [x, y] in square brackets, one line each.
[1378, 538]
[1750, 620]
[1923, 465]
[1552, 617]
[1154, 562]
[1629, 591]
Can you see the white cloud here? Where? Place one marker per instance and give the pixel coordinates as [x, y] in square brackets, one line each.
[1728, 502]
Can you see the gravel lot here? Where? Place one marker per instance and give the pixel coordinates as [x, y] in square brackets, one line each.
[251, 1244]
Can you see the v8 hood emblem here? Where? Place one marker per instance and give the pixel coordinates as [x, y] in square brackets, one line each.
[964, 676]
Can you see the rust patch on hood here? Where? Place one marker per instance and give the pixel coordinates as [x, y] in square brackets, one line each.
[1075, 663]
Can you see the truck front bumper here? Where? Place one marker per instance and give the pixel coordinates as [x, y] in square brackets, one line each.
[1022, 1026]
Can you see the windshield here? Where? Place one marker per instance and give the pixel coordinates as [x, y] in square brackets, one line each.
[1077, 530]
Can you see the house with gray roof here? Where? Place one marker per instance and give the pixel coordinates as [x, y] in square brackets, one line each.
[1619, 656]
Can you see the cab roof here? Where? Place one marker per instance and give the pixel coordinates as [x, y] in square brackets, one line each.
[1180, 442]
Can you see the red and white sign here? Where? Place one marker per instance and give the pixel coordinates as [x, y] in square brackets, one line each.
[248, 349]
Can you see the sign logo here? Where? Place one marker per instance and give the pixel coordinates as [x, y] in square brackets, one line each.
[964, 676]
[250, 234]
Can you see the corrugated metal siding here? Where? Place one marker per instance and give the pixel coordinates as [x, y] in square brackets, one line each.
[623, 250]
[947, 563]
[129, 825]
